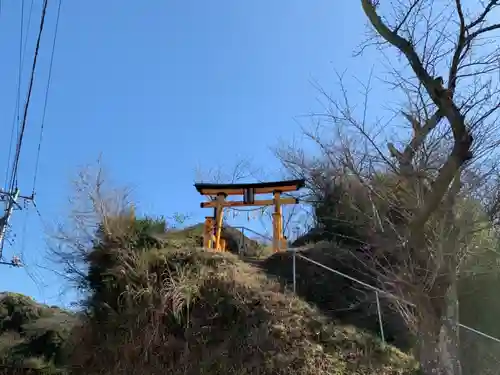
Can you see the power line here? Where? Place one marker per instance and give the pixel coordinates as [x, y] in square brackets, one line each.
[12, 194]
[15, 164]
[15, 119]
[42, 220]
[25, 44]
[46, 98]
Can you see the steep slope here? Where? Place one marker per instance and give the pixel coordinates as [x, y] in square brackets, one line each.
[336, 296]
[189, 311]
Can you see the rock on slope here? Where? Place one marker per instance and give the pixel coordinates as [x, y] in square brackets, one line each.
[198, 312]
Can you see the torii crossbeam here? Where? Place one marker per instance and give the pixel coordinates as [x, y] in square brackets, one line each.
[219, 192]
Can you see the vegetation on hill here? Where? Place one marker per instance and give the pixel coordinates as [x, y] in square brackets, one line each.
[190, 311]
[345, 238]
[32, 336]
[338, 297]
[158, 303]
[235, 240]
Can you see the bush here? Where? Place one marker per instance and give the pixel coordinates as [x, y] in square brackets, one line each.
[338, 297]
[198, 312]
[32, 336]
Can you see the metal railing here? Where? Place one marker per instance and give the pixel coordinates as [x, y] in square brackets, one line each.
[242, 242]
[377, 291]
[245, 229]
[480, 351]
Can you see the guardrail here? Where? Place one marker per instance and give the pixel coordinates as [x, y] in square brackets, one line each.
[376, 290]
[244, 230]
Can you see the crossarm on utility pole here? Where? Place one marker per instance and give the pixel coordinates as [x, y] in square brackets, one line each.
[4, 221]
[11, 204]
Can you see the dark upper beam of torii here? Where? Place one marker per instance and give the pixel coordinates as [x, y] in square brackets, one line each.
[219, 192]
[259, 188]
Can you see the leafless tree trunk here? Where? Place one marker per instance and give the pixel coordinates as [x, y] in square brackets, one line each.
[418, 235]
[455, 51]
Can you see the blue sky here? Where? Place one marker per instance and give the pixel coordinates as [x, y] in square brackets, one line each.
[149, 84]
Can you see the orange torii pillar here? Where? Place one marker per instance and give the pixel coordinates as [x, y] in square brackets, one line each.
[208, 236]
[277, 222]
[248, 190]
[219, 214]
[208, 233]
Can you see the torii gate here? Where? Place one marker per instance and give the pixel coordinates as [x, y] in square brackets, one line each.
[219, 192]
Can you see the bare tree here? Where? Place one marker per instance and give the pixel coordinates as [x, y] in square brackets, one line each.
[440, 39]
[413, 221]
[94, 205]
[241, 171]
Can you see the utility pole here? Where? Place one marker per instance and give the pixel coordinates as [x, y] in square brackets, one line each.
[11, 194]
[10, 199]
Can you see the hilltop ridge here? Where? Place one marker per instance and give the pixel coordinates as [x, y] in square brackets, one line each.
[173, 307]
[211, 313]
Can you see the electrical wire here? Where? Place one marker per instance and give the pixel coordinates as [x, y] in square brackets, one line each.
[32, 274]
[42, 220]
[22, 128]
[15, 164]
[22, 55]
[15, 119]
[23, 233]
[37, 162]
[27, 33]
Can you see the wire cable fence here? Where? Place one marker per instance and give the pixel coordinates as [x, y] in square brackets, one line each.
[480, 352]
[261, 241]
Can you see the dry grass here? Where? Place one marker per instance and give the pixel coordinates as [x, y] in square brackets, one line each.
[193, 237]
[338, 297]
[196, 312]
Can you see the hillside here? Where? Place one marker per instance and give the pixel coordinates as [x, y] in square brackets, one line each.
[32, 335]
[336, 296]
[192, 311]
[193, 236]
[179, 309]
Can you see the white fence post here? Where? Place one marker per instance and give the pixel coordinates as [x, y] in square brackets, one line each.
[377, 294]
[379, 312]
